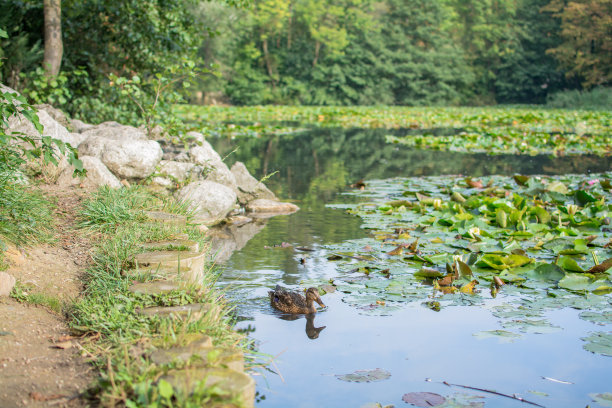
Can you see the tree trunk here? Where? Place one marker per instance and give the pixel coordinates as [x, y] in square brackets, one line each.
[316, 58]
[269, 62]
[54, 47]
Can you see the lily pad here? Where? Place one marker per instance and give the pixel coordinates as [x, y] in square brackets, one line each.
[503, 335]
[575, 281]
[365, 376]
[603, 399]
[599, 343]
[423, 399]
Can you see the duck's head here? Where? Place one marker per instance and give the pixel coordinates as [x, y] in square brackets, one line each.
[312, 294]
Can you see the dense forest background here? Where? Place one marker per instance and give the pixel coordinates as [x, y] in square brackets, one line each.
[313, 52]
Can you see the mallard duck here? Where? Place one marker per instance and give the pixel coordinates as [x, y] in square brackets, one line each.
[293, 302]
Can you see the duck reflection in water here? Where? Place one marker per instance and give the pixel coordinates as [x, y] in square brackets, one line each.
[311, 331]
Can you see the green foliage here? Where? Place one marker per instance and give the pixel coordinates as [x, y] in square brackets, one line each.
[596, 99]
[26, 217]
[110, 309]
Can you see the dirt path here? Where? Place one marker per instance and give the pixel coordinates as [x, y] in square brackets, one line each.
[40, 365]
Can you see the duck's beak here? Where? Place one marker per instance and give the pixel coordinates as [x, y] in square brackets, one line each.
[320, 302]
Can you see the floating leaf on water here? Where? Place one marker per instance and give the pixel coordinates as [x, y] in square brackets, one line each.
[446, 281]
[361, 376]
[599, 343]
[604, 399]
[602, 318]
[569, 264]
[503, 335]
[464, 269]
[538, 393]
[468, 288]
[574, 281]
[334, 257]
[547, 272]
[602, 290]
[423, 399]
[583, 198]
[557, 187]
[521, 180]
[426, 272]
[532, 326]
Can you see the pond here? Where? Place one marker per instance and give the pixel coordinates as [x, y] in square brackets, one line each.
[415, 348]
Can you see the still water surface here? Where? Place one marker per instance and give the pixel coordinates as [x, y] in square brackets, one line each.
[414, 343]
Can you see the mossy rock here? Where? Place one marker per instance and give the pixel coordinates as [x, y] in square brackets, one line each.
[165, 217]
[194, 260]
[155, 287]
[235, 383]
[183, 244]
[167, 272]
[194, 311]
[226, 357]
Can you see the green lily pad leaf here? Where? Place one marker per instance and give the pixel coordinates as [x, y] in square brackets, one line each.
[365, 376]
[602, 290]
[521, 180]
[539, 326]
[569, 264]
[425, 272]
[508, 276]
[597, 318]
[604, 399]
[599, 343]
[547, 273]
[583, 198]
[574, 281]
[538, 393]
[503, 335]
[423, 399]
[501, 262]
[557, 187]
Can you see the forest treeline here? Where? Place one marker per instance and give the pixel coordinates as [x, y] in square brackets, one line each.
[313, 52]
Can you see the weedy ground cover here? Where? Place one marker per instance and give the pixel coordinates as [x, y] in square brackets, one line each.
[119, 337]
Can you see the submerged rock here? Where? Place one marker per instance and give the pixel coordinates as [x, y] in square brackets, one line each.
[264, 206]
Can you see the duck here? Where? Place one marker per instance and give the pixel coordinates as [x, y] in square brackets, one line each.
[293, 302]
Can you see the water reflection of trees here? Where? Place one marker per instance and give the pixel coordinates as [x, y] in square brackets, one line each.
[315, 164]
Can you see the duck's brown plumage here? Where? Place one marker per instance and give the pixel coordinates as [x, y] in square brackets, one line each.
[293, 302]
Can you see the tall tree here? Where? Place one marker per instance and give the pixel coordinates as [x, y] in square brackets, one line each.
[586, 31]
[54, 46]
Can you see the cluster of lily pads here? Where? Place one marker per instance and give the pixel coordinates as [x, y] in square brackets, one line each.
[491, 129]
[541, 243]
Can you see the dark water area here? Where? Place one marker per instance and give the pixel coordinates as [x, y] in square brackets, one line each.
[413, 343]
[324, 161]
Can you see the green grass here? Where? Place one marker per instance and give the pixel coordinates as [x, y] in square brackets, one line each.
[595, 99]
[109, 310]
[26, 216]
[23, 293]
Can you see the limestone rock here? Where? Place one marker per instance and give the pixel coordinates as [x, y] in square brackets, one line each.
[196, 136]
[132, 158]
[51, 128]
[165, 217]
[97, 175]
[235, 383]
[172, 244]
[212, 201]
[115, 131]
[204, 155]
[213, 167]
[271, 207]
[178, 171]
[7, 282]
[78, 126]
[166, 272]
[224, 357]
[154, 287]
[194, 311]
[247, 186]
[168, 259]
[59, 116]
